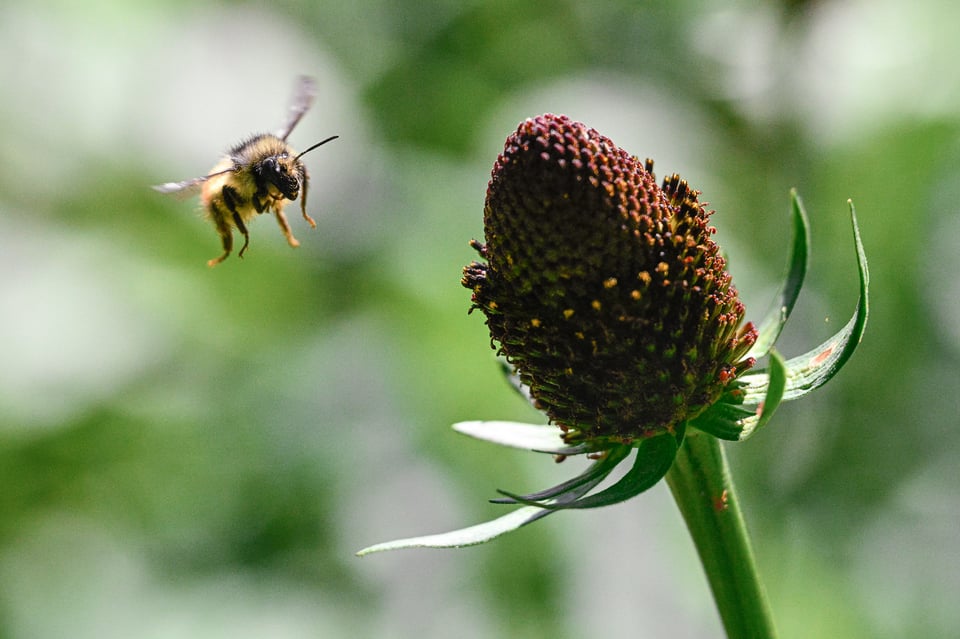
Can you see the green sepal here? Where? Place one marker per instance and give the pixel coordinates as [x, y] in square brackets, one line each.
[771, 326]
[596, 473]
[723, 419]
[654, 458]
[816, 367]
[776, 370]
[734, 420]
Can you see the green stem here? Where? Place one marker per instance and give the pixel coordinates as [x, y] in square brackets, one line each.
[703, 489]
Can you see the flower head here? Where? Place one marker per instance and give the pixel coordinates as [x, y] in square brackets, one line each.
[615, 312]
[604, 290]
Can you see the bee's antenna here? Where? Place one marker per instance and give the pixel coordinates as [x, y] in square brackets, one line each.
[332, 137]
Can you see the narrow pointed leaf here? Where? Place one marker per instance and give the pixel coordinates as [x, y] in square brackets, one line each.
[482, 533]
[535, 437]
[816, 367]
[653, 460]
[596, 473]
[470, 536]
[772, 324]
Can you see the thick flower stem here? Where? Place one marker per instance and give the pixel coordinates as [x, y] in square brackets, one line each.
[703, 489]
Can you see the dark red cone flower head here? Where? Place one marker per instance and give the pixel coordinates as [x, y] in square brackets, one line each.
[603, 290]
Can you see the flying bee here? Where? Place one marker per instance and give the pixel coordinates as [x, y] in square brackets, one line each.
[256, 176]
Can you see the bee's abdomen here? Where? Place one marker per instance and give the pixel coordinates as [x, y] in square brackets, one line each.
[229, 193]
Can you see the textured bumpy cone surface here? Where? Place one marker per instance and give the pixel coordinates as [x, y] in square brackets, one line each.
[603, 289]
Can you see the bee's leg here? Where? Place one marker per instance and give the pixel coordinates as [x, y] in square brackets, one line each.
[243, 229]
[232, 199]
[303, 199]
[259, 200]
[285, 227]
[223, 229]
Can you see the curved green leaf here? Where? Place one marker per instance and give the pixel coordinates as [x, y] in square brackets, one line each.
[653, 460]
[775, 391]
[816, 367]
[482, 533]
[769, 329]
[596, 473]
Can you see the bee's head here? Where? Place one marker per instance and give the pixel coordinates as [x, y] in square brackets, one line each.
[283, 172]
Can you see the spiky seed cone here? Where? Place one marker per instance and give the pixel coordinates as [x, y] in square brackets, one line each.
[603, 290]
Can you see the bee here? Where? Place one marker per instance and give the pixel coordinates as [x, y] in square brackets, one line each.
[256, 176]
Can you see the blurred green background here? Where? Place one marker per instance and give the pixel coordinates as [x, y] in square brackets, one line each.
[187, 452]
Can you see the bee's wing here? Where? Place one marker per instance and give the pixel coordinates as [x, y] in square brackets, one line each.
[302, 99]
[187, 187]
